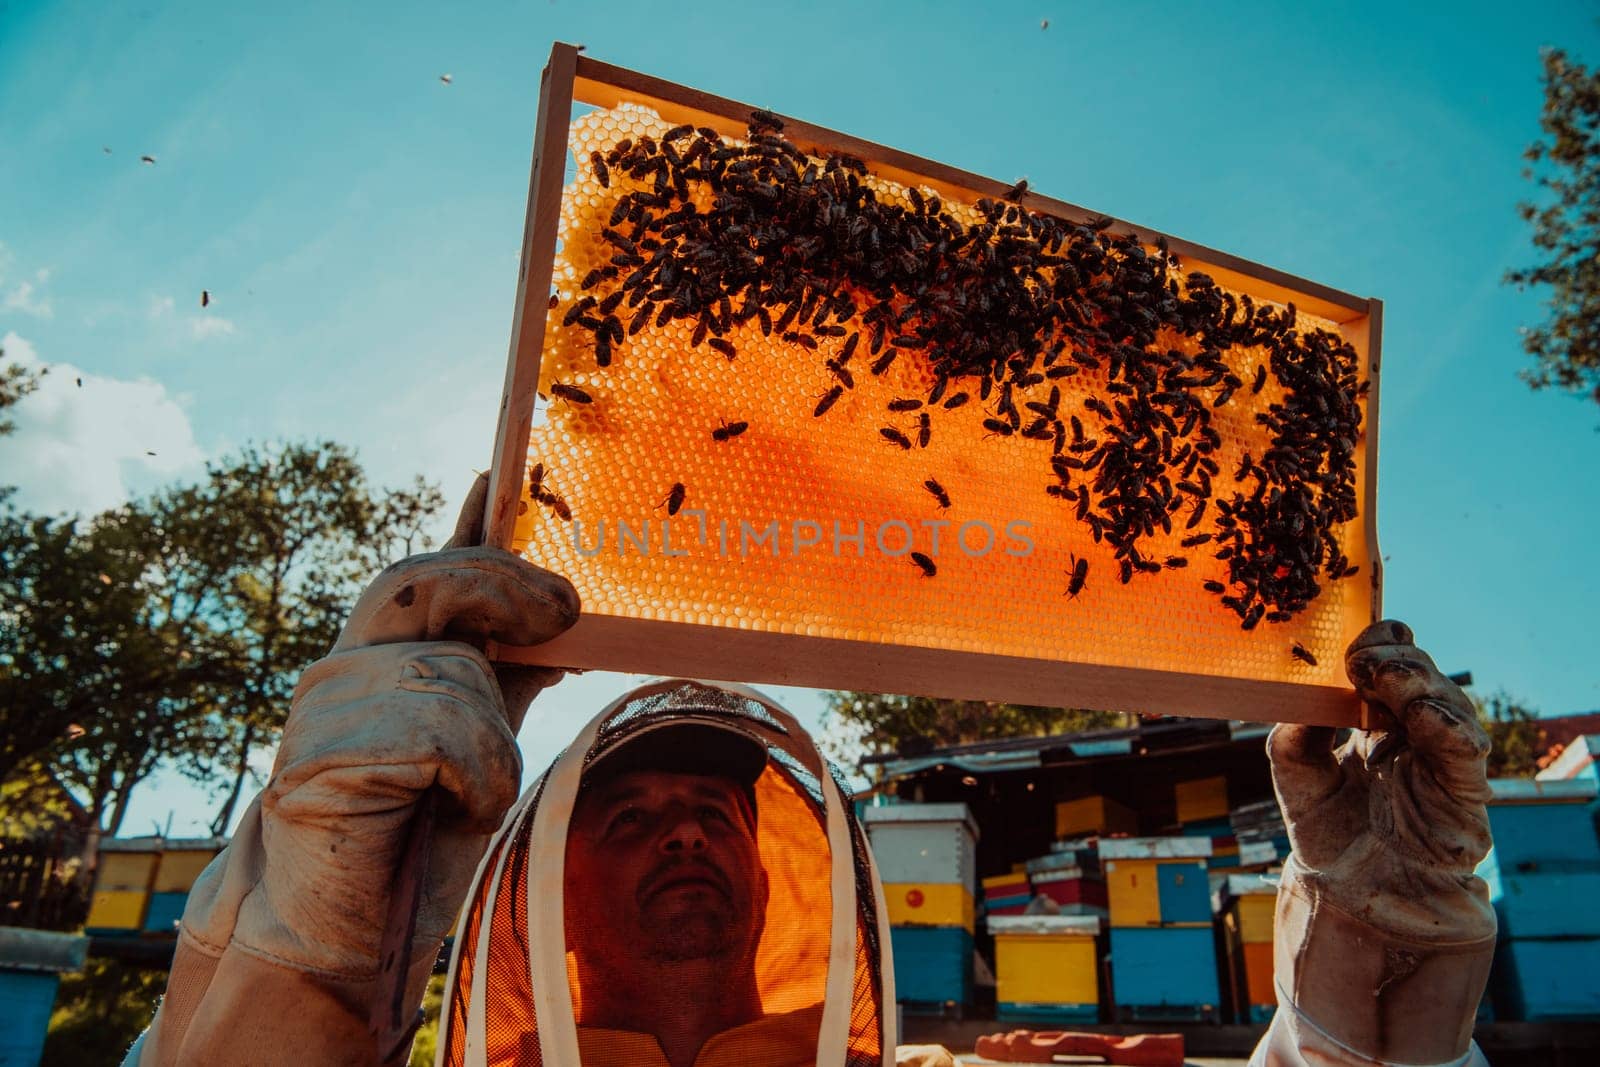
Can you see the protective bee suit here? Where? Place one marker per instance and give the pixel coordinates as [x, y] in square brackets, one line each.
[826, 992]
[1384, 936]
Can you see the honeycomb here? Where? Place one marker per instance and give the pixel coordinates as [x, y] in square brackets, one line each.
[799, 472]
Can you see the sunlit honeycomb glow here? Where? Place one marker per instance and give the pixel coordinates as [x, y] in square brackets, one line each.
[1007, 550]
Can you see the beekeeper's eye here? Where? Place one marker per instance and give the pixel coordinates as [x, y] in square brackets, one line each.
[629, 818]
[714, 813]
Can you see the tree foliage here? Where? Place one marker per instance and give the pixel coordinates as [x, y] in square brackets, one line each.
[1516, 738]
[860, 724]
[1565, 165]
[172, 630]
[16, 382]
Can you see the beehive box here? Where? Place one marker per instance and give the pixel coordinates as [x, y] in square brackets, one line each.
[1047, 967]
[819, 412]
[1157, 881]
[123, 876]
[1094, 815]
[1248, 920]
[1164, 973]
[930, 843]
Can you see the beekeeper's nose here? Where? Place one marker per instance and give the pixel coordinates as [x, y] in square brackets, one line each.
[684, 832]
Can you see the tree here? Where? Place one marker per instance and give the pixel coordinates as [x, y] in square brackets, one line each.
[1515, 737]
[271, 551]
[172, 630]
[16, 382]
[1566, 165]
[860, 724]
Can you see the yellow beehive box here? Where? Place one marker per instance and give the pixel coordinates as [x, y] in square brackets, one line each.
[1094, 815]
[1133, 892]
[116, 909]
[929, 904]
[1046, 959]
[181, 866]
[1202, 798]
[1256, 918]
[818, 412]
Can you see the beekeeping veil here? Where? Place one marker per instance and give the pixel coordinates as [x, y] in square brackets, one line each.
[513, 987]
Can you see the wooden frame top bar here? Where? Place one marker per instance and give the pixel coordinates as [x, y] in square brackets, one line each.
[607, 85]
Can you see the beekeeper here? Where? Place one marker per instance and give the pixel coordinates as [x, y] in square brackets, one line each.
[687, 886]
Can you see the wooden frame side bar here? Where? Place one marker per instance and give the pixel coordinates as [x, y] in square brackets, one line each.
[533, 287]
[606, 85]
[691, 650]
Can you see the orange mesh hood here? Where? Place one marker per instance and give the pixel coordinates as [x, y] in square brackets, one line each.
[822, 968]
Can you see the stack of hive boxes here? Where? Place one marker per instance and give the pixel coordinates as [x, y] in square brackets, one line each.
[1248, 907]
[1007, 894]
[926, 856]
[1260, 832]
[1163, 955]
[1070, 878]
[1203, 812]
[142, 884]
[1544, 879]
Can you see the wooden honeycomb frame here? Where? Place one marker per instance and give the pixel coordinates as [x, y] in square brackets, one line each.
[619, 642]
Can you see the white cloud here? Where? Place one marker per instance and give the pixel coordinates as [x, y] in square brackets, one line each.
[23, 295]
[85, 448]
[203, 326]
[199, 327]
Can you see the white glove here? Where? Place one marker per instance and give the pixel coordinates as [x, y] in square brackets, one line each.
[277, 961]
[1384, 936]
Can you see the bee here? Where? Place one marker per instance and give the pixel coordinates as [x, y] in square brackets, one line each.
[1017, 191]
[924, 430]
[729, 430]
[674, 499]
[1261, 379]
[925, 564]
[883, 361]
[849, 348]
[555, 301]
[827, 401]
[575, 312]
[998, 426]
[955, 400]
[895, 437]
[1175, 562]
[1252, 617]
[1300, 652]
[600, 170]
[904, 405]
[938, 492]
[677, 133]
[1195, 517]
[725, 347]
[570, 393]
[1195, 540]
[1215, 587]
[1077, 576]
[761, 119]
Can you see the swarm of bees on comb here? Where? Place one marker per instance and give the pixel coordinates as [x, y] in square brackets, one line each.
[1002, 305]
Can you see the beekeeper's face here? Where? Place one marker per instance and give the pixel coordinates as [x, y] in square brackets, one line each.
[663, 866]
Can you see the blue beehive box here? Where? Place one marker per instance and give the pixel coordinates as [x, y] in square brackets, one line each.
[1542, 823]
[163, 912]
[1547, 904]
[932, 964]
[1546, 979]
[31, 964]
[1164, 972]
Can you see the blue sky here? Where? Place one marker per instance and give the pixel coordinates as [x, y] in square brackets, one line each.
[357, 222]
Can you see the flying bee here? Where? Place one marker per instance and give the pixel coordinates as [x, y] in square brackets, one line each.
[827, 401]
[895, 437]
[674, 499]
[926, 565]
[1078, 575]
[729, 430]
[570, 393]
[1300, 652]
[924, 430]
[938, 492]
